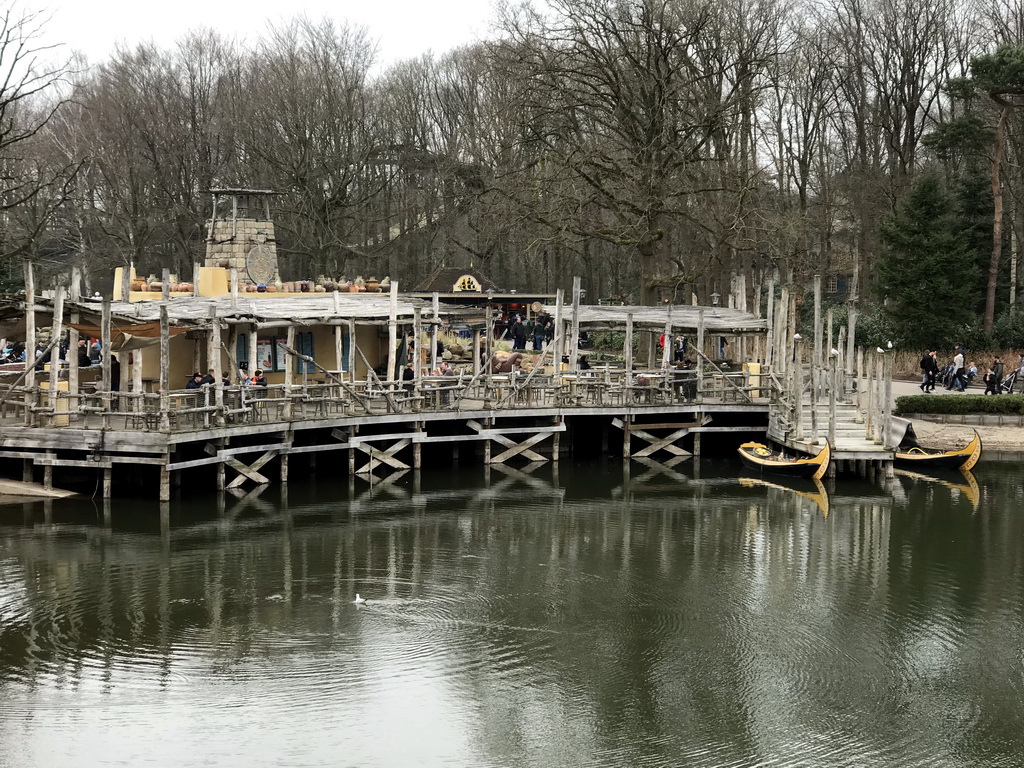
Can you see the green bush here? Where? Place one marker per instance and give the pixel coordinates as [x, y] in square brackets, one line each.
[961, 404]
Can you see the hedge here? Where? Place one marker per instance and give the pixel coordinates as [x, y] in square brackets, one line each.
[961, 404]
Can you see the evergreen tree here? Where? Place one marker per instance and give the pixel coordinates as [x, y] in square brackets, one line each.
[926, 271]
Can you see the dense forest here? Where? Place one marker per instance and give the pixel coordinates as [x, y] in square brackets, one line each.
[658, 148]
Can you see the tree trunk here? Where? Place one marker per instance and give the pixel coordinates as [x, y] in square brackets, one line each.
[997, 217]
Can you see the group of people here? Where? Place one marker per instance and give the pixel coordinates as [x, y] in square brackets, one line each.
[198, 380]
[959, 375]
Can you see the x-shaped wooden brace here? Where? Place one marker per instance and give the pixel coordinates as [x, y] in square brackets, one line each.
[659, 443]
[655, 468]
[516, 449]
[250, 472]
[379, 457]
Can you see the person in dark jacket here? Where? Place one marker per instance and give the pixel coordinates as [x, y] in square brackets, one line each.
[518, 334]
[997, 370]
[195, 382]
[926, 367]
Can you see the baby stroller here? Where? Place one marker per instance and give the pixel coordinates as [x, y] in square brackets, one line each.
[946, 378]
[1007, 384]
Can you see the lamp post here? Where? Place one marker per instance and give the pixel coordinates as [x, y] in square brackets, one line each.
[715, 297]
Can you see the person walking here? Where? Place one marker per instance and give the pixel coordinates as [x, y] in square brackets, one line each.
[958, 382]
[933, 371]
[926, 367]
[997, 371]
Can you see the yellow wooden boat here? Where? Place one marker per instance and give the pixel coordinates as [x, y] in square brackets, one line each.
[921, 459]
[760, 457]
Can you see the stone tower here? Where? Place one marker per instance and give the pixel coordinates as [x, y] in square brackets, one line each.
[242, 236]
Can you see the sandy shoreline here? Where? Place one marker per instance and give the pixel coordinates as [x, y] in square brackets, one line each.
[933, 434]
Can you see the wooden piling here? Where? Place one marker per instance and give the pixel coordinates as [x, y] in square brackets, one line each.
[165, 284]
[196, 273]
[435, 317]
[30, 341]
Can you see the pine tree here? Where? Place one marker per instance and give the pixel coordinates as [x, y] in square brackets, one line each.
[926, 272]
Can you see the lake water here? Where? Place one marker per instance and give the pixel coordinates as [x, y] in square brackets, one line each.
[570, 616]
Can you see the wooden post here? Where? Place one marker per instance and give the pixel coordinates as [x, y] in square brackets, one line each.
[857, 393]
[254, 353]
[127, 272]
[55, 333]
[105, 359]
[559, 344]
[216, 362]
[165, 284]
[700, 353]
[196, 275]
[165, 480]
[417, 332]
[798, 387]
[289, 379]
[75, 297]
[30, 341]
[165, 392]
[139, 405]
[887, 400]
[769, 341]
[476, 351]
[435, 314]
[869, 412]
[851, 330]
[666, 348]
[575, 332]
[627, 351]
[832, 399]
[782, 336]
[339, 349]
[352, 349]
[234, 288]
[108, 482]
[392, 332]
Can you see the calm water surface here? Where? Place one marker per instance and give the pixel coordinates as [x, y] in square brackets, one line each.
[569, 617]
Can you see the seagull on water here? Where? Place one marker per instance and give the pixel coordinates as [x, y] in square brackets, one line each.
[359, 600]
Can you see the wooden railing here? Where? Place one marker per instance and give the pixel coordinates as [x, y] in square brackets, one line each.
[197, 409]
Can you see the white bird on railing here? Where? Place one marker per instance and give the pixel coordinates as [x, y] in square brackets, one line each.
[879, 350]
[890, 345]
[359, 600]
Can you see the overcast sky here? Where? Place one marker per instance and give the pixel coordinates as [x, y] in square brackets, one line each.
[402, 28]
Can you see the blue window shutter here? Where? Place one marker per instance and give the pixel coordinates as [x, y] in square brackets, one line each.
[305, 347]
[242, 350]
[346, 345]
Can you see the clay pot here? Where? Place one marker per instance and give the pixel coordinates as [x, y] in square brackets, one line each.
[353, 288]
[271, 288]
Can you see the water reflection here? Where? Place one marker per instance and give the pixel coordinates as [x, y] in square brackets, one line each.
[634, 614]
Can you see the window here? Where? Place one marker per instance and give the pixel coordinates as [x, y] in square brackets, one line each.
[833, 284]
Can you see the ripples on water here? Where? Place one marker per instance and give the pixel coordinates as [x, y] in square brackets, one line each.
[594, 620]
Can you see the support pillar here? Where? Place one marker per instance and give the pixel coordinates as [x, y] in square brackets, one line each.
[108, 482]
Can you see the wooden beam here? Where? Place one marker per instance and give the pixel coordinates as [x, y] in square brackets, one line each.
[559, 336]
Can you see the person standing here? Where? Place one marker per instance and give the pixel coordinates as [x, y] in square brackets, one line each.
[997, 370]
[926, 367]
[518, 334]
